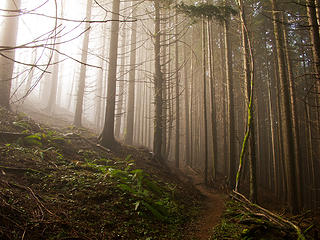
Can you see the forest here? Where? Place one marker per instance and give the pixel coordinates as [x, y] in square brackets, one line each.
[159, 119]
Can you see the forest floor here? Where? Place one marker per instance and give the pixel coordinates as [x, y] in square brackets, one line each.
[212, 208]
[57, 182]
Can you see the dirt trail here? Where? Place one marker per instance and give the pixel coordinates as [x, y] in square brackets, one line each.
[211, 211]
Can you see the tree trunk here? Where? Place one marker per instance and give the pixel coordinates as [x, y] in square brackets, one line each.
[28, 87]
[157, 85]
[186, 106]
[192, 147]
[108, 139]
[99, 87]
[314, 35]
[212, 98]
[83, 69]
[248, 68]
[177, 144]
[204, 72]
[288, 143]
[295, 130]
[230, 107]
[8, 38]
[132, 76]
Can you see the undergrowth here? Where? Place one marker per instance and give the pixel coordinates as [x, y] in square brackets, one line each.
[238, 223]
[53, 186]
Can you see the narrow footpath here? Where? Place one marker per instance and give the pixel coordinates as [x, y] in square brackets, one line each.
[211, 211]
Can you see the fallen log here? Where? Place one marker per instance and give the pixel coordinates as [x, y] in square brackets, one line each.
[12, 136]
[254, 208]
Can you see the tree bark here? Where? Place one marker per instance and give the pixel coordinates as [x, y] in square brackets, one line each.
[99, 88]
[288, 143]
[132, 76]
[230, 107]
[83, 69]
[108, 139]
[249, 81]
[8, 38]
[186, 106]
[177, 144]
[293, 105]
[157, 144]
[212, 98]
[204, 72]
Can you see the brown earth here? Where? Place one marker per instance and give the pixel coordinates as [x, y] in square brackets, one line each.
[212, 208]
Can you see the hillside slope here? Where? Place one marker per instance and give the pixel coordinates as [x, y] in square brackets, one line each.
[59, 184]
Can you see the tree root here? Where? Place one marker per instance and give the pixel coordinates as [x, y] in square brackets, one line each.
[267, 214]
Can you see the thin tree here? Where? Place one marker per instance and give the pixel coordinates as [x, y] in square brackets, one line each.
[248, 68]
[204, 82]
[212, 96]
[186, 106]
[99, 81]
[177, 143]
[55, 74]
[158, 78]
[107, 136]
[132, 76]
[287, 136]
[230, 103]
[83, 69]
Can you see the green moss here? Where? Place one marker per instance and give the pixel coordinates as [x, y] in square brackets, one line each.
[238, 223]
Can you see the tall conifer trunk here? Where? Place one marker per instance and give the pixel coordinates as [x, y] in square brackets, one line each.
[8, 38]
[204, 82]
[157, 142]
[83, 69]
[132, 76]
[287, 136]
[108, 139]
[230, 107]
[177, 143]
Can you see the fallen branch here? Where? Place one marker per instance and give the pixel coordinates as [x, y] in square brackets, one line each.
[270, 215]
[11, 136]
[74, 135]
[13, 169]
[39, 203]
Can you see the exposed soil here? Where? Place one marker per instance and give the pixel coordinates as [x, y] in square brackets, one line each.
[211, 210]
[210, 214]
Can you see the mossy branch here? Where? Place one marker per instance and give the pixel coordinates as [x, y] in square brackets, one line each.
[244, 145]
[13, 169]
[270, 215]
